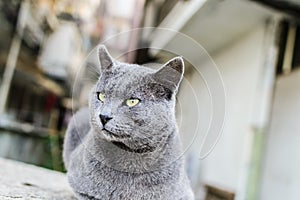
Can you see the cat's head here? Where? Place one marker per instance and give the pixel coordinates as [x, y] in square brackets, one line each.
[134, 106]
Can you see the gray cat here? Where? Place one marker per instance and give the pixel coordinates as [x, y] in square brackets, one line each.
[126, 145]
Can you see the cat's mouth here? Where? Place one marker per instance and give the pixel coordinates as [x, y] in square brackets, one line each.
[115, 139]
[111, 134]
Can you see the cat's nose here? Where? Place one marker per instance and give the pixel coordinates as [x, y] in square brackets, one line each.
[104, 119]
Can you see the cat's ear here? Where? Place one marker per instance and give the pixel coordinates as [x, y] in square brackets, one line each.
[106, 61]
[171, 73]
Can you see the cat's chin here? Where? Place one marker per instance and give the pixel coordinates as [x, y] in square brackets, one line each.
[123, 146]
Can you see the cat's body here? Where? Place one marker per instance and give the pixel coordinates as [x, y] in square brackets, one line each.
[126, 145]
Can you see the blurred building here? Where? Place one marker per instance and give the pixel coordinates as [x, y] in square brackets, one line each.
[43, 46]
[240, 88]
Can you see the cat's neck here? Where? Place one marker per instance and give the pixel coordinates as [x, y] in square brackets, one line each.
[118, 157]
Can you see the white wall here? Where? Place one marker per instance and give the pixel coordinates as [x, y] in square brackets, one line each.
[240, 65]
[281, 177]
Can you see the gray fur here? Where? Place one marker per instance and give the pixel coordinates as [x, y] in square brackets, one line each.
[137, 154]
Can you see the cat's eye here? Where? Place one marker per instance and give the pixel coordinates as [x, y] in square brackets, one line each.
[132, 102]
[101, 96]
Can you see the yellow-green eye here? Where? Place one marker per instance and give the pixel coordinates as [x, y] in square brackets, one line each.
[101, 96]
[132, 102]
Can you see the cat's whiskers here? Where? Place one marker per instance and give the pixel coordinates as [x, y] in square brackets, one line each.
[91, 67]
[87, 79]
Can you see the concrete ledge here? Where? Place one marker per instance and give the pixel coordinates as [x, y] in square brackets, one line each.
[23, 181]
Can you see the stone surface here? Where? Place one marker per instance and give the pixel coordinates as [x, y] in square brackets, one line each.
[23, 181]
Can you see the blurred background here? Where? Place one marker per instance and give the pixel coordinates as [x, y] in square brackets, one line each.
[255, 45]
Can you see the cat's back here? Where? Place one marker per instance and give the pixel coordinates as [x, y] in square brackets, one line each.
[78, 128]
